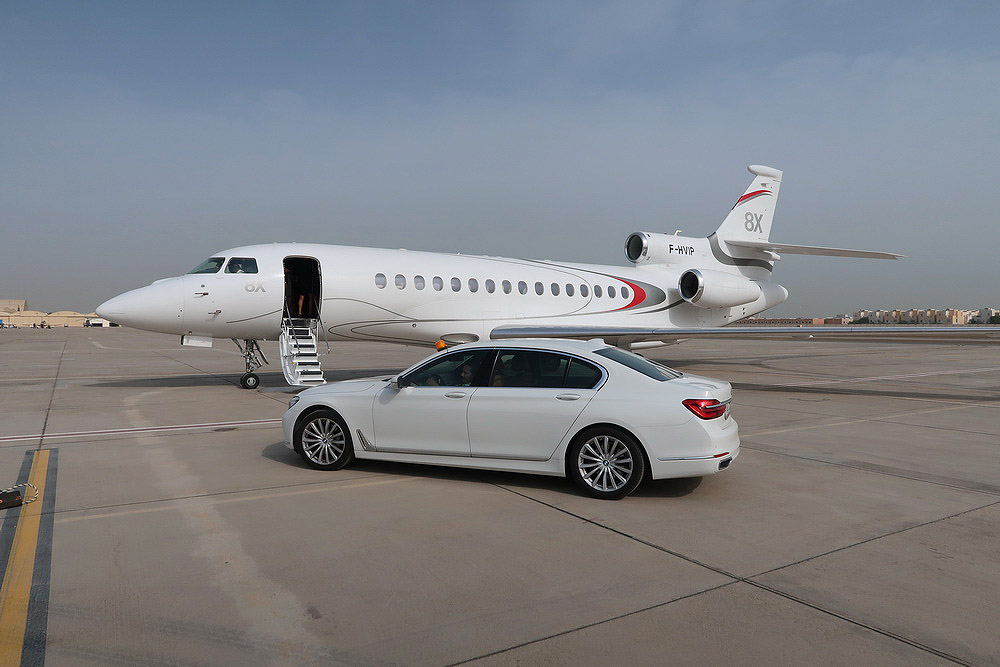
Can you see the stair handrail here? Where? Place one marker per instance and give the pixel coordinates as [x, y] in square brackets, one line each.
[326, 338]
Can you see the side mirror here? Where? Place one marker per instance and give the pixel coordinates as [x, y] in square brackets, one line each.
[394, 383]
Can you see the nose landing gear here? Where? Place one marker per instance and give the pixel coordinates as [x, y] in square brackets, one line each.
[254, 358]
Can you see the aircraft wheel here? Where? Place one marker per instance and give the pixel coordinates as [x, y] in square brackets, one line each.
[249, 381]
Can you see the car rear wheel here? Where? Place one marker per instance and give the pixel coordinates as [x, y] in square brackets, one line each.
[323, 439]
[606, 462]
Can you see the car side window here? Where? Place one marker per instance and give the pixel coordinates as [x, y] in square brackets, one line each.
[529, 368]
[582, 375]
[458, 369]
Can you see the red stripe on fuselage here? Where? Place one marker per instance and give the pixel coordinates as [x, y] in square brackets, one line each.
[751, 195]
[638, 295]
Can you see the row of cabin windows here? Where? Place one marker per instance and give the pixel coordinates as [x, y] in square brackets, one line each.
[522, 287]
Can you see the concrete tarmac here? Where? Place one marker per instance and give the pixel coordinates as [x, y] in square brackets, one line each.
[860, 525]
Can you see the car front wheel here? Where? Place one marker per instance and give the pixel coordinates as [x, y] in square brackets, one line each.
[606, 462]
[324, 440]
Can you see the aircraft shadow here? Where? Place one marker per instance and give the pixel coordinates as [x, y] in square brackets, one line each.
[661, 488]
[268, 380]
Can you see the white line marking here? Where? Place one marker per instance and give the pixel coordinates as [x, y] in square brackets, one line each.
[171, 503]
[141, 429]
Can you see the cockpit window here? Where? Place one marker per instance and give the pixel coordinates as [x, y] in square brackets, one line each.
[210, 265]
[242, 265]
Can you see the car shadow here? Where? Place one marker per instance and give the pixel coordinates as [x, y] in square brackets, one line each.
[515, 481]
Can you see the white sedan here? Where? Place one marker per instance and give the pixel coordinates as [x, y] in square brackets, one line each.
[604, 417]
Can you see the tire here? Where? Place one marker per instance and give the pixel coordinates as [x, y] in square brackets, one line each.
[323, 440]
[249, 381]
[606, 462]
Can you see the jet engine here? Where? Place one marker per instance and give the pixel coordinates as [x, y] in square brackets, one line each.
[715, 289]
[645, 247]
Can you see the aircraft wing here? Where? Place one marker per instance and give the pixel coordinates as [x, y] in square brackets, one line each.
[626, 335]
[792, 249]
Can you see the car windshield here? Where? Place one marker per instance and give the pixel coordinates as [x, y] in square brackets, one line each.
[210, 265]
[640, 364]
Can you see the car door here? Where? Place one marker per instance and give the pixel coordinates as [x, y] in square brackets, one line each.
[532, 399]
[428, 413]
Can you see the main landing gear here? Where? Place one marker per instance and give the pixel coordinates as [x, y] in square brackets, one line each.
[254, 358]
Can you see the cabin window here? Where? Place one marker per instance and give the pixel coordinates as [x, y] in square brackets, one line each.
[611, 292]
[242, 265]
[400, 281]
[380, 280]
[624, 292]
[597, 291]
[418, 282]
[456, 284]
[584, 290]
[491, 286]
[555, 289]
[569, 289]
[506, 286]
[539, 289]
[473, 285]
[438, 283]
[522, 287]
[210, 265]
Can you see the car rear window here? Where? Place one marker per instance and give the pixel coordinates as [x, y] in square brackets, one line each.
[640, 364]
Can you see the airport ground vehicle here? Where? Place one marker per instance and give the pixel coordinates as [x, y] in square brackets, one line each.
[602, 416]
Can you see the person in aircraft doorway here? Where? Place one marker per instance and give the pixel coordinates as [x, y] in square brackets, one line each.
[296, 294]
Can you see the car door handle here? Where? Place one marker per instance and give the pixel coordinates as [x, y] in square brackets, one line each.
[215, 312]
[201, 293]
[455, 394]
[568, 397]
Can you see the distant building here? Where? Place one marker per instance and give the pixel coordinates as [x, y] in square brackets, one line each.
[61, 318]
[13, 305]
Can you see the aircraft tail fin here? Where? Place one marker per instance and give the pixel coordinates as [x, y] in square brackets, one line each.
[751, 215]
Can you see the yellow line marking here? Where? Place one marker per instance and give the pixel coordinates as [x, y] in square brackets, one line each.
[16, 590]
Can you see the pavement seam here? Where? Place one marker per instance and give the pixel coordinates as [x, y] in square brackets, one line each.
[592, 625]
[862, 624]
[738, 579]
[52, 396]
[875, 538]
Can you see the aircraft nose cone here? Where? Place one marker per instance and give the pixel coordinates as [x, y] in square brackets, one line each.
[157, 307]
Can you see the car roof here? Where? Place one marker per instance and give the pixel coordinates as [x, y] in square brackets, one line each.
[551, 344]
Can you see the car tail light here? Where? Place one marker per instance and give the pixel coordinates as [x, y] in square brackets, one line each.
[706, 408]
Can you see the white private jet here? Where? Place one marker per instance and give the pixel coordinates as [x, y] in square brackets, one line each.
[678, 287]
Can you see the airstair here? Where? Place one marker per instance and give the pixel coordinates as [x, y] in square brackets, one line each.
[299, 353]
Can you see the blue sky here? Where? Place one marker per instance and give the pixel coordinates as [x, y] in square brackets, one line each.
[141, 137]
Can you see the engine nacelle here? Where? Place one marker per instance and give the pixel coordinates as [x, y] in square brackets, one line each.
[645, 247]
[715, 289]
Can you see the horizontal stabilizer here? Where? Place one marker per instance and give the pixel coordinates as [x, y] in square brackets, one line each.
[618, 335]
[791, 249]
